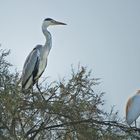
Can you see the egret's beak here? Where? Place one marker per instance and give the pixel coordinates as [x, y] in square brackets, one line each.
[58, 23]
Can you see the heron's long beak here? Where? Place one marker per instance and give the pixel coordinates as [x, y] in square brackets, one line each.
[58, 23]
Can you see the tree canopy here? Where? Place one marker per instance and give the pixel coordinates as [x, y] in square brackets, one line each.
[68, 109]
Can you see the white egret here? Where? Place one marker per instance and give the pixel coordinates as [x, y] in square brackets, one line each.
[133, 108]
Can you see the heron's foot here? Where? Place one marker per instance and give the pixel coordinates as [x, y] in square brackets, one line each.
[37, 86]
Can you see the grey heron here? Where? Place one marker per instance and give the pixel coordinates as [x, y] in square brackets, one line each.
[36, 61]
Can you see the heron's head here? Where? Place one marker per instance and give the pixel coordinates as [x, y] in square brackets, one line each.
[48, 22]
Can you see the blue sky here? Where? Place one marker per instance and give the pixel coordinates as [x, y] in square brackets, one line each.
[103, 35]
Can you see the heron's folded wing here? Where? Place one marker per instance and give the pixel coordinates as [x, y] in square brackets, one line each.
[30, 65]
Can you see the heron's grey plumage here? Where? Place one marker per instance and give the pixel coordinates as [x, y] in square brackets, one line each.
[36, 61]
[31, 67]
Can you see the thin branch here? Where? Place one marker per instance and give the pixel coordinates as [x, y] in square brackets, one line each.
[105, 123]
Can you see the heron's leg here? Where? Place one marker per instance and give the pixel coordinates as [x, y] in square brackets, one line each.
[32, 90]
[39, 90]
[135, 124]
[32, 94]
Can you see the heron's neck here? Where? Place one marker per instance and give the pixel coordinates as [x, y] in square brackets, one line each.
[48, 43]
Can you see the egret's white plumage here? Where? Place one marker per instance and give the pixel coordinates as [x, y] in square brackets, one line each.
[36, 61]
[133, 108]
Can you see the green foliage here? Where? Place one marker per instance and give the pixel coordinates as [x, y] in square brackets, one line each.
[65, 110]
